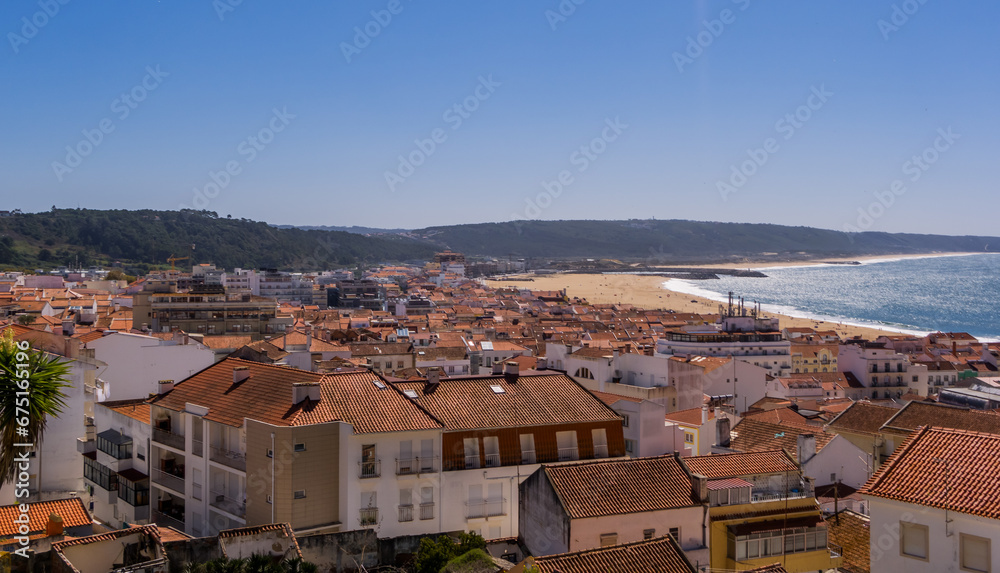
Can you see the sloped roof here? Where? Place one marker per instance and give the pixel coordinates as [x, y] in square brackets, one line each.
[943, 468]
[352, 397]
[71, 510]
[621, 486]
[741, 464]
[915, 414]
[751, 435]
[853, 535]
[136, 409]
[536, 398]
[660, 555]
[863, 417]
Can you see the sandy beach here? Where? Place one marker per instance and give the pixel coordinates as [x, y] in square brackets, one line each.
[648, 292]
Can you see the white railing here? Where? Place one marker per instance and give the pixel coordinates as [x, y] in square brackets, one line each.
[528, 456]
[219, 500]
[369, 516]
[227, 457]
[175, 483]
[485, 508]
[600, 450]
[566, 454]
[406, 513]
[492, 460]
[472, 462]
[369, 469]
[427, 510]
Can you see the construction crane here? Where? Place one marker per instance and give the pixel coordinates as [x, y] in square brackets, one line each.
[172, 259]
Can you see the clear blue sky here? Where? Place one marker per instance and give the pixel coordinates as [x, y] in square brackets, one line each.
[547, 84]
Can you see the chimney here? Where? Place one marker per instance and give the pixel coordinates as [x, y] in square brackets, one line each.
[699, 487]
[54, 526]
[68, 328]
[164, 386]
[305, 391]
[497, 367]
[806, 447]
[433, 376]
[954, 348]
[511, 371]
[704, 414]
[309, 337]
[240, 374]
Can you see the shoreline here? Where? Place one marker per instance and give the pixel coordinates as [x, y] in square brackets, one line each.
[866, 259]
[653, 292]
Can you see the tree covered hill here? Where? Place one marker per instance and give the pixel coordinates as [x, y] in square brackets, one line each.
[144, 239]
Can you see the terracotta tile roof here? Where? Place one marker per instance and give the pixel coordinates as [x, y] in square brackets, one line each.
[778, 416]
[689, 417]
[943, 468]
[741, 464]
[863, 417]
[915, 414]
[616, 487]
[135, 409]
[853, 535]
[71, 510]
[266, 396]
[610, 399]
[750, 436]
[536, 398]
[660, 555]
[224, 341]
[150, 530]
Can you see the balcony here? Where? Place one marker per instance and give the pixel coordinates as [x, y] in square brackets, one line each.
[198, 447]
[416, 466]
[835, 550]
[406, 513]
[758, 496]
[367, 470]
[427, 510]
[162, 519]
[232, 506]
[600, 450]
[485, 508]
[168, 438]
[368, 516]
[230, 458]
[568, 454]
[174, 482]
[492, 460]
[472, 462]
[528, 456]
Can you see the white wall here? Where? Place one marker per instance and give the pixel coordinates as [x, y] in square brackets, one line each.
[135, 363]
[841, 457]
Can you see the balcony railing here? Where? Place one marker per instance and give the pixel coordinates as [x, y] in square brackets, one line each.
[485, 508]
[406, 513]
[566, 454]
[219, 500]
[413, 466]
[199, 448]
[369, 469]
[528, 456]
[369, 516]
[772, 495]
[835, 550]
[427, 510]
[160, 518]
[492, 460]
[600, 450]
[227, 457]
[168, 438]
[172, 481]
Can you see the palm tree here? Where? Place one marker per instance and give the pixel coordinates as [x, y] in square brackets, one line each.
[47, 377]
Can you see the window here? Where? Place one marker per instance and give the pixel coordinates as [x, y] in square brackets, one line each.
[528, 449]
[648, 533]
[471, 446]
[914, 540]
[270, 453]
[566, 442]
[675, 532]
[975, 553]
[600, 438]
[399, 364]
[299, 494]
[630, 446]
[492, 446]
[405, 505]
[688, 437]
[426, 503]
[300, 447]
[624, 420]
[609, 539]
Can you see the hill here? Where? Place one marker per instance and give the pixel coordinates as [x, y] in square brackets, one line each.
[671, 241]
[143, 239]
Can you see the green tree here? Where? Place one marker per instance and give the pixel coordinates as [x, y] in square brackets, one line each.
[47, 376]
[434, 554]
[26, 319]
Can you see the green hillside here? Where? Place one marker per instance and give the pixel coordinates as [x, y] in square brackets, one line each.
[144, 239]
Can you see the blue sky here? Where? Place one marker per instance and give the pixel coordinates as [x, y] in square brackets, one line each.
[283, 112]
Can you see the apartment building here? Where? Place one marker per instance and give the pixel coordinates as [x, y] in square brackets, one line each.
[285, 287]
[882, 371]
[743, 336]
[762, 511]
[208, 309]
[134, 363]
[116, 463]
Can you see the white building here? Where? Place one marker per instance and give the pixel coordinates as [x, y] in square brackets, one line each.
[928, 508]
[116, 463]
[883, 372]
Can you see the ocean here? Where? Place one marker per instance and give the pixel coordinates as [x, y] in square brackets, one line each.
[913, 295]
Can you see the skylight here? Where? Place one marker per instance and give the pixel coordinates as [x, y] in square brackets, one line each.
[410, 393]
[380, 385]
[497, 389]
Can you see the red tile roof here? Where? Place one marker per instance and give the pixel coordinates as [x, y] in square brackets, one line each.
[465, 403]
[266, 396]
[943, 468]
[661, 555]
[863, 417]
[135, 409]
[150, 530]
[689, 417]
[71, 510]
[915, 414]
[852, 532]
[616, 487]
[742, 464]
[750, 436]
